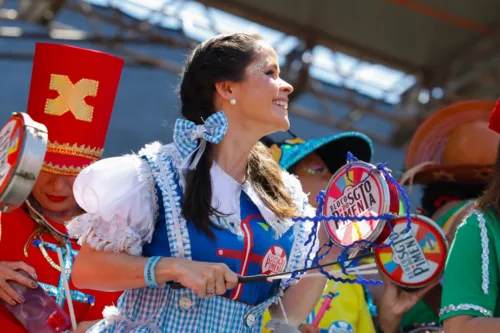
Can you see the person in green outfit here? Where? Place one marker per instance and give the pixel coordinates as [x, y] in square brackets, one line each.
[443, 156]
[470, 299]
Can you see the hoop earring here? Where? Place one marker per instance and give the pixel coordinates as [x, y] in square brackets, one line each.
[232, 101]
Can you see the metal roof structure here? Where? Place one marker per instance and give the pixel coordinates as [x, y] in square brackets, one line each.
[408, 56]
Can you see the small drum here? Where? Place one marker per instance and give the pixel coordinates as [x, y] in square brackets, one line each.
[359, 189]
[417, 258]
[23, 143]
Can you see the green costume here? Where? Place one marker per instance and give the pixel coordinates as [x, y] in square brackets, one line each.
[472, 276]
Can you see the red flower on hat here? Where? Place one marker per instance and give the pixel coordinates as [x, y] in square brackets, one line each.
[495, 118]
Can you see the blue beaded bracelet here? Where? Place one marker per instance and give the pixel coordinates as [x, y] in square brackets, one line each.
[149, 271]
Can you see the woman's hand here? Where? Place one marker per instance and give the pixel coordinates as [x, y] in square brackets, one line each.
[9, 272]
[205, 279]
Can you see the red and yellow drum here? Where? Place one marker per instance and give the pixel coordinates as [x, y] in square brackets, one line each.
[417, 258]
[359, 189]
[23, 144]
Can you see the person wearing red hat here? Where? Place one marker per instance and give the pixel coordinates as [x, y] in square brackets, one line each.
[72, 93]
[470, 298]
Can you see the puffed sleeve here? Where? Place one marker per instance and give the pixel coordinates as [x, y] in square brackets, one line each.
[118, 197]
[470, 285]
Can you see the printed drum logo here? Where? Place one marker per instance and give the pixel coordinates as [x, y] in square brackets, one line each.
[359, 200]
[355, 191]
[274, 260]
[409, 254]
[416, 258]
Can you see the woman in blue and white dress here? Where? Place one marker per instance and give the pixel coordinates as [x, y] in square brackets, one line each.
[209, 207]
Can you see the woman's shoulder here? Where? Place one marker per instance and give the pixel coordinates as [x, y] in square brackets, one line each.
[156, 149]
[114, 178]
[479, 227]
[133, 163]
[481, 218]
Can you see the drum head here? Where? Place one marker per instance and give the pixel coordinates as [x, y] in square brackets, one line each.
[356, 189]
[417, 258]
[11, 140]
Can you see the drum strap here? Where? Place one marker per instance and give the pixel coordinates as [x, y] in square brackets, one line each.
[433, 297]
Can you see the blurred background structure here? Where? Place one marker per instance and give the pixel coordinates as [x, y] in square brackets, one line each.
[374, 66]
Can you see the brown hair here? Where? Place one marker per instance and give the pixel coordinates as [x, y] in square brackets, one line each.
[491, 197]
[219, 59]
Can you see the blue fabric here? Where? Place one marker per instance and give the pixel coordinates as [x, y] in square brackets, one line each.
[187, 134]
[293, 153]
[231, 250]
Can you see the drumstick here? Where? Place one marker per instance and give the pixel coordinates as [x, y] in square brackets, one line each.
[66, 289]
[335, 273]
[363, 269]
[365, 266]
[264, 277]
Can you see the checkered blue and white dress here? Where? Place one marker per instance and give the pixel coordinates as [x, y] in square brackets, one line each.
[119, 197]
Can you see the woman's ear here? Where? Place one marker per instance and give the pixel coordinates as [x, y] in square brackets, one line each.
[225, 90]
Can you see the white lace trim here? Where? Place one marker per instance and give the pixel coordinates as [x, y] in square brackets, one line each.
[485, 259]
[299, 250]
[152, 148]
[465, 307]
[112, 236]
[163, 167]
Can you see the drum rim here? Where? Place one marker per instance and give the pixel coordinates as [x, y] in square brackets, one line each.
[10, 177]
[437, 274]
[384, 187]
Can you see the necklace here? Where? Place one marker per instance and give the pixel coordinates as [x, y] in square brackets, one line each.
[44, 226]
[41, 220]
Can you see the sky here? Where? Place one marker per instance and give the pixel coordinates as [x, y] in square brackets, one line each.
[200, 23]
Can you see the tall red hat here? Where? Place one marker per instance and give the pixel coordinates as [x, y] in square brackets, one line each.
[72, 92]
